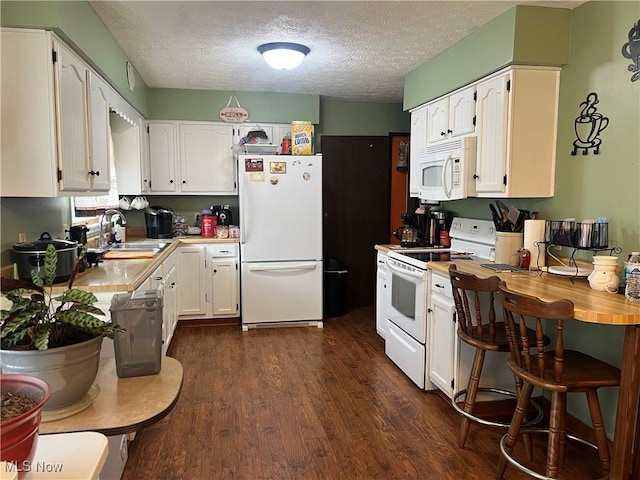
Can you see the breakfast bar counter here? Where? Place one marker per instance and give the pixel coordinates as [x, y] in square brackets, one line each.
[594, 307]
[124, 405]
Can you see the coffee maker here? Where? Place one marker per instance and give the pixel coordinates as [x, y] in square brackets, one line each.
[159, 222]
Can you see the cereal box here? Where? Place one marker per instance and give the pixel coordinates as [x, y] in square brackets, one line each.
[301, 138]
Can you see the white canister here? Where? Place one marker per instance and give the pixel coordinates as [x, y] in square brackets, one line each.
[508, 244]
[604, 278]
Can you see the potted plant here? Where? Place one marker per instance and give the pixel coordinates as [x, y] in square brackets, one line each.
[56, 338]
[23, 397]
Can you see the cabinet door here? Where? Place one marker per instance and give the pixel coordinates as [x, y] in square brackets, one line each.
[442, 343]
[381, 296]
[73, 135]
[418, 148]
[462, 109]
[99, 127]
[191, 276]
[169, 307]
[225, 288]
[206, 158]
[162, 156]
[438, 120]
[145, 167]
[492, 112]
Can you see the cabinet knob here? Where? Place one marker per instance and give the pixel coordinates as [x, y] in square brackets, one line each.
[184, 181]
[170, 181]
[94, 173]
[449, 131]
[475, 176]
[443, 134]
[429, 310]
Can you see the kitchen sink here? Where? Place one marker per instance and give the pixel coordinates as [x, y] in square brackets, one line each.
[139, 246]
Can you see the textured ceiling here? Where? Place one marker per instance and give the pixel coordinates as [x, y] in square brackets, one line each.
[360, 50]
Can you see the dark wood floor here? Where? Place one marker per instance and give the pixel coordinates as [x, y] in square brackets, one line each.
[311, 403]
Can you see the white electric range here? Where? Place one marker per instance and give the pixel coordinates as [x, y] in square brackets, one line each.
[408, 289]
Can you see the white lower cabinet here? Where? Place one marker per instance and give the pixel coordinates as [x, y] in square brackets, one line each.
[164, 279]
[211, 278]
[381, 295]
[442, 322]
[450, 359]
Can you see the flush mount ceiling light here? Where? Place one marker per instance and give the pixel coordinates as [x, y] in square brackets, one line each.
[283, 55]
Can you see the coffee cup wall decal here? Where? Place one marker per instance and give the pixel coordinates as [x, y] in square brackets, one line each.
[631, 50]
[588, 126]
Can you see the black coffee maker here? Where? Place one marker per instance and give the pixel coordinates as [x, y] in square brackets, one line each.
[78, 233]
[159, 222]
[223, 214]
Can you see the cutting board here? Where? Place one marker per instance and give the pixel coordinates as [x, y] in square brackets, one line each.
[112, 255]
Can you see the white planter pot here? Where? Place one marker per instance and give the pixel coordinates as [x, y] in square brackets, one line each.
[70, 371]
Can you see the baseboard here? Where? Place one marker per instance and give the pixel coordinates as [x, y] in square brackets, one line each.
[208, 322]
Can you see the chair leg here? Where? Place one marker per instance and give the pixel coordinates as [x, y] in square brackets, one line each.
[516, 422]
[526, 438]
[557, 437]
[472, 391]
[598, 428]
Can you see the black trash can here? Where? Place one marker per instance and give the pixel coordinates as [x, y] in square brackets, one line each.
[335, 287]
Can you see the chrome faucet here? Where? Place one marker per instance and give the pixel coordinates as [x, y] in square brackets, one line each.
[112, 215]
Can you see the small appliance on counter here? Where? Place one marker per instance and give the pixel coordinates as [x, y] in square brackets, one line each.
[30, 256]
[159, 222]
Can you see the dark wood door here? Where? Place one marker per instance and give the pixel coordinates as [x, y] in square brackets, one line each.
[356, 202]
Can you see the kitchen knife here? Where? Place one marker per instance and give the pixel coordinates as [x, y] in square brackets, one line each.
[497, 218]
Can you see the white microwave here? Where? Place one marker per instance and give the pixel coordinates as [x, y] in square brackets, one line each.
[446, 170]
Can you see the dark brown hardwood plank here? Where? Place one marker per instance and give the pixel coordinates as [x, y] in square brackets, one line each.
[308, 403]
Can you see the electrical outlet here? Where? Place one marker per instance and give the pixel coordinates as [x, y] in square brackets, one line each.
[196, 216]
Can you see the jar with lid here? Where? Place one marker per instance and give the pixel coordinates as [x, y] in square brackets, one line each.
[207, 223]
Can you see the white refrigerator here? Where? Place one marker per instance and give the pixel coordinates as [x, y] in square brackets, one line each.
[280, 200]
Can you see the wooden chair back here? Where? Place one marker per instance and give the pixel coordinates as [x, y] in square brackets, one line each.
[528, 356]
[476, 325]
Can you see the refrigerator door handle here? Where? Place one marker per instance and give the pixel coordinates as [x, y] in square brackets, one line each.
[284, 268]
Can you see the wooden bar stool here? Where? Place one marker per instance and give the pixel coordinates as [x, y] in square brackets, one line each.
[477, 327]
[559, 371]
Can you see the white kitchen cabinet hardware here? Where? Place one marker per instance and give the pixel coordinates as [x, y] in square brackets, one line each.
[381, 294]
[192, 157]
[452, 115]
[517, 118]
[55, 117]
[418, 148]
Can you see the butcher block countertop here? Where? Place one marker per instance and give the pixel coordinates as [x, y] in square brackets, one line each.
[589, 305]
[119, 275]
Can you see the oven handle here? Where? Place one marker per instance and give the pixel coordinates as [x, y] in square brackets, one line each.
[447, 192]
[402, 272]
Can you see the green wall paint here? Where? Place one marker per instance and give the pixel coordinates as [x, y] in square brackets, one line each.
[339, 117]
[205, 105]
[542, 38]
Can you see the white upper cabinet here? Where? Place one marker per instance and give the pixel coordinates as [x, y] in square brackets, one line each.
[451, 116]
[418, 148]
[206, 158]
[192, 157]
[163, 156]
[130, 147]
[54, 119]
[517, 112]
[100, 173]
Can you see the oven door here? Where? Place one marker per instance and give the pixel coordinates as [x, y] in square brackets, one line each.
[406, 300]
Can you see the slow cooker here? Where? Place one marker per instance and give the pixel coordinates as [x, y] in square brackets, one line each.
[30, 256]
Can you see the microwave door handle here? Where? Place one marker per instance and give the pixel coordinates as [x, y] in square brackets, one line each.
[447, 162]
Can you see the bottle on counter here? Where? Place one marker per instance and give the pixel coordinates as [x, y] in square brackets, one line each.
[632, 277]
[207, 223]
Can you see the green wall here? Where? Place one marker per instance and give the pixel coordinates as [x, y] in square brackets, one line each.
[523, 35]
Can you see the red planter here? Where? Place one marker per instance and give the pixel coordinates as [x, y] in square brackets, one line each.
[20, 434]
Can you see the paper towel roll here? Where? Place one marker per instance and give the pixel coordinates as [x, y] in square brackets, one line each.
[533, 235]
